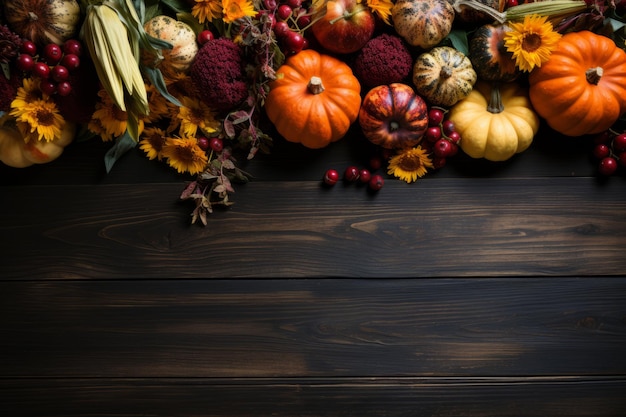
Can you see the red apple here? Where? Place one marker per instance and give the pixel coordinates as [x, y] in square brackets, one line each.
[346, 26]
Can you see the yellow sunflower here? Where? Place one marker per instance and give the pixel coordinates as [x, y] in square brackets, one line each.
[382, 8]
[531, 41]
[152, 142]
[39, 120]
[111, 117]
[194, 115]
[236, 9]
[410, 164]
[207, 10]
[157, 104]
[27, 93]
[184, 155]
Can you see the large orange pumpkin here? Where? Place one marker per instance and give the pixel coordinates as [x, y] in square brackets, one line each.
[581, 89]
[314, 99]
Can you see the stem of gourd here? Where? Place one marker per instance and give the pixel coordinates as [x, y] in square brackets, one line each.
[495, 100]
[500, 17]
[593, 75]
[315, 85]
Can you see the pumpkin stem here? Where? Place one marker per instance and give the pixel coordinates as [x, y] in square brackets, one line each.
[446, 72]
[32, 17]
[315, 85]
[458, 5]
[593, 75]
[495, 100]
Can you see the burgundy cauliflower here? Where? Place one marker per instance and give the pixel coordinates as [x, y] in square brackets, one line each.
[383, 60]
[218, 75]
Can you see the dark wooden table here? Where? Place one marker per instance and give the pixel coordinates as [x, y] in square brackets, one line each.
[484, 289]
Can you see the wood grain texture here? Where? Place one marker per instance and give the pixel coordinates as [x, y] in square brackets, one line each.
[442, 227]
[512, 327]
[366, 397]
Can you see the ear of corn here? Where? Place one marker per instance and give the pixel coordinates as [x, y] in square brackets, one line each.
[553, 9]
[116, 58]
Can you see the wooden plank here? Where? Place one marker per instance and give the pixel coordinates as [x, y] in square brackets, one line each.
[438, 227]
[313, 398]
[313, 328]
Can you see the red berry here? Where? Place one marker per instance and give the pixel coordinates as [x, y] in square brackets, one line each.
[52, 53]
[29, 48]
[511, 3]
[454, 137]
[433, 134]
[72, 46]
[283, 12]
[281, 29]
[601, 150]
[448, 127]
[48, 87]
[216, 144]
[331, 177]
[435, 116]
[622, 158]
[60, 73]
[294, 4]
[365, 176]
[270, 4]
[304, 20]
[603, 137]
[64, 88]
[203, 142]
[607, 166]
[376, 182]
[204, 36]
[25, 62]
[439, 162]
[294, 41]
[376, 162]
[351, 174]
[41, 70]
[70, 61]
[443, 148]
[619, 142]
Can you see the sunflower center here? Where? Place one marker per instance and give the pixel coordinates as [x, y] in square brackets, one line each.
[410, 163]
[531, 42]
[185, 154]
[156, 141]
[44, 117]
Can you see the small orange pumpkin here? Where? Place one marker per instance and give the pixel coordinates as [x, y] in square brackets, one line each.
[314, 99]
[581, 89]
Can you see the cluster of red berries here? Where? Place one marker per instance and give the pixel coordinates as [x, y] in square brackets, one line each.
[610, 152]
[290, 20]
[215, 144]
[354, 174]
[442, 138]
[53, 65]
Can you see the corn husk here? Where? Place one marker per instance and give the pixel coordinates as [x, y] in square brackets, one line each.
[554, 10]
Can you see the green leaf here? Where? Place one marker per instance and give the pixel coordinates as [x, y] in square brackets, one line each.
[156, 78]
[122, 145]
[458, 40]
[177, 6]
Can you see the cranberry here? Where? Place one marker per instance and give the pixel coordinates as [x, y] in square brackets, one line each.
[439, 162]
[25, 62]
[60, 73]
[351, 174]
[294, 41]
[281, 29]
[203, 142]
[607, 166]
[70, 61]
[72, 46]
[304, 20]
[443, 148]
[41, 70]
[376, 162]
[511, 3]
[283, 12]
[205, 36]
[48, 87]
[376, 182]
[435, 116]
[622, 158]
[454, 137]
[216, 144]
[601, 150]
[619, 142]
[448, 127]
[365, 175]
[294, 4]
[52, 53]
[331, 177]
[270, 4]
[433, 134]
[64, 88]
[29, 48]
[603, 137]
